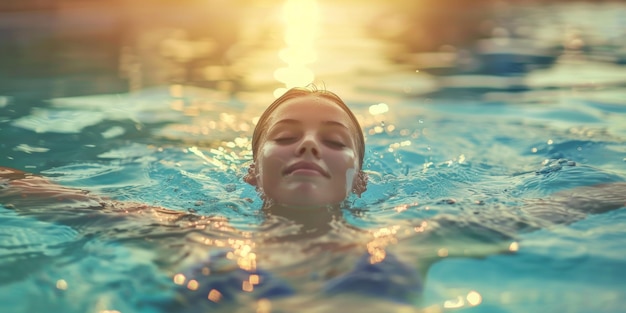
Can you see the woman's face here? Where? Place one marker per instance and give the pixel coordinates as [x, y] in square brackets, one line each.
[307, 157]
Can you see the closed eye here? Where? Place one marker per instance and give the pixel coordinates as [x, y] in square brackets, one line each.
[335, 144]
[285, 140]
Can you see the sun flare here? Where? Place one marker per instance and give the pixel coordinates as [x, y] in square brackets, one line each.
[301, 22]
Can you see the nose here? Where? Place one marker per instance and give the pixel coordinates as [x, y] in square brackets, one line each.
[308, 145]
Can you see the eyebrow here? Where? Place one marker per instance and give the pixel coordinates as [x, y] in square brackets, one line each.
[330, 123]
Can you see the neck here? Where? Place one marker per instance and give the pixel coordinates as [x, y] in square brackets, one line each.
[313, 221]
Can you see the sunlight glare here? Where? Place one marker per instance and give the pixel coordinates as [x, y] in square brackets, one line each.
[474, 298]
[377, 109]
[454, 304]
[301, 19]
[215, 295]
[247, 286]
[179, 279]
[443, 252]
[61, 284]
[264, 306]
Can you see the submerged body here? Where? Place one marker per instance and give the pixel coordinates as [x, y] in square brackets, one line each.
[307, 159]
[215, 256]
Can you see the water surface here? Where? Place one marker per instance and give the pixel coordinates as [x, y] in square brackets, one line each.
[163, 115]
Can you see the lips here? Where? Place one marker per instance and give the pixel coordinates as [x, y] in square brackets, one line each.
[304, 167]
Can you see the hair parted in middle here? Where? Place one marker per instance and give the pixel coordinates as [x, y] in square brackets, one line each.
[261, 127]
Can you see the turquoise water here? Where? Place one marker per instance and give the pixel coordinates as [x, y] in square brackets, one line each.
[462, 152]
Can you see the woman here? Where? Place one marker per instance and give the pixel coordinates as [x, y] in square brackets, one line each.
[308, 151]
[307, 147]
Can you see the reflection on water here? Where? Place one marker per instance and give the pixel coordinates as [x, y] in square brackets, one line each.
[155, 101]
[73, 48]
[301, 27]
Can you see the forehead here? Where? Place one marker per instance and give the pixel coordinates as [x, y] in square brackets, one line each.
[311, 108]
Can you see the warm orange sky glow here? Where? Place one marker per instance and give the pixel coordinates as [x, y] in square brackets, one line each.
[301, 22]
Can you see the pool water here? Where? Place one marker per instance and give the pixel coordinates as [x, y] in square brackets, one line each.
[453, 152]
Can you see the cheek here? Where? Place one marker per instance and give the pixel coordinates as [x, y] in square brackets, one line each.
[272, 153]
[350, 159]
[344, 160]
[270, 160]
[344, 165]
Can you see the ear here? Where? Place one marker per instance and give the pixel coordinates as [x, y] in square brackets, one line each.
[250, 178]
[360, 183]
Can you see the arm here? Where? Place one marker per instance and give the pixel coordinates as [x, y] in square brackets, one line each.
[19, 189]
[571, 205]
[490, 230]
[32, 195]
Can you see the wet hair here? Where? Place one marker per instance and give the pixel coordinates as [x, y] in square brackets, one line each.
[261, 126]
